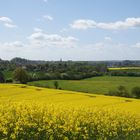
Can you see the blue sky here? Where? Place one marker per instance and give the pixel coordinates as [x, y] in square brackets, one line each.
[70, 29]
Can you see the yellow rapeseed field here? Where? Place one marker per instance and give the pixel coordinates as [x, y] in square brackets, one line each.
[125, 68]
[32, 113]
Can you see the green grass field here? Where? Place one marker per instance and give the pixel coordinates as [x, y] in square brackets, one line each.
[98, 85]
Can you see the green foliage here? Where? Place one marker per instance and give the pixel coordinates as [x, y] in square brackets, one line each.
[120, 91]
[55, 70]
[2, 78]
[102, 68]
[9, 80]
[125, 73]
[136, 91]
[56, 84]
[65, 76]
[20, 75]
[8, 74]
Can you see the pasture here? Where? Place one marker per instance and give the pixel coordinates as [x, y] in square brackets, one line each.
[98, 85]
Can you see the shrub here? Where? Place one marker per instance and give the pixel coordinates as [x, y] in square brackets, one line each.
[136, 91]
[120, 91]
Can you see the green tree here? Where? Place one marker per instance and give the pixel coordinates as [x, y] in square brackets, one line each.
[136, 91]
[2, 78]
[20, 75]
[122, 91]
[101, 67]
[56, 84]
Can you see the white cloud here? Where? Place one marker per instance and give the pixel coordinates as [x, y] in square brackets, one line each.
[51, 47]
[39, 45]
[86, 24]
[7, 22]
[137, 45]
[83, 24]
[107, 38]
[42, 39]
[47, 17]
[106, 50]
[10, 25]
[11, 46]
[38, 30]
[5, 19]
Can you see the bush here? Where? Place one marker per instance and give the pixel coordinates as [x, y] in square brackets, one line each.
[136, 91]
[120, 91]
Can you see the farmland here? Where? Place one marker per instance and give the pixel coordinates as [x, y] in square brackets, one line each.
[70, 70]
[98, 85]
[39, 113]
[77, 109]
[125, 68]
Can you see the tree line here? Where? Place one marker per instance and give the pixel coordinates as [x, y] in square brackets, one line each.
[56, 71]
[122, 92]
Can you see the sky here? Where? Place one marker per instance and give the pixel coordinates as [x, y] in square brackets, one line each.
[70, 29]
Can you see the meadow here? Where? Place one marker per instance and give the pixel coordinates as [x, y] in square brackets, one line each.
[29, 112]
[98, 85]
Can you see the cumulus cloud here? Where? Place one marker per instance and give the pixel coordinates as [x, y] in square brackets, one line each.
[83, 24]
[41, 45]
[47, 17]
[7, 22]
[38, 30]
[11, 46]
[107, 38]
[42, 39]
[118, 25]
